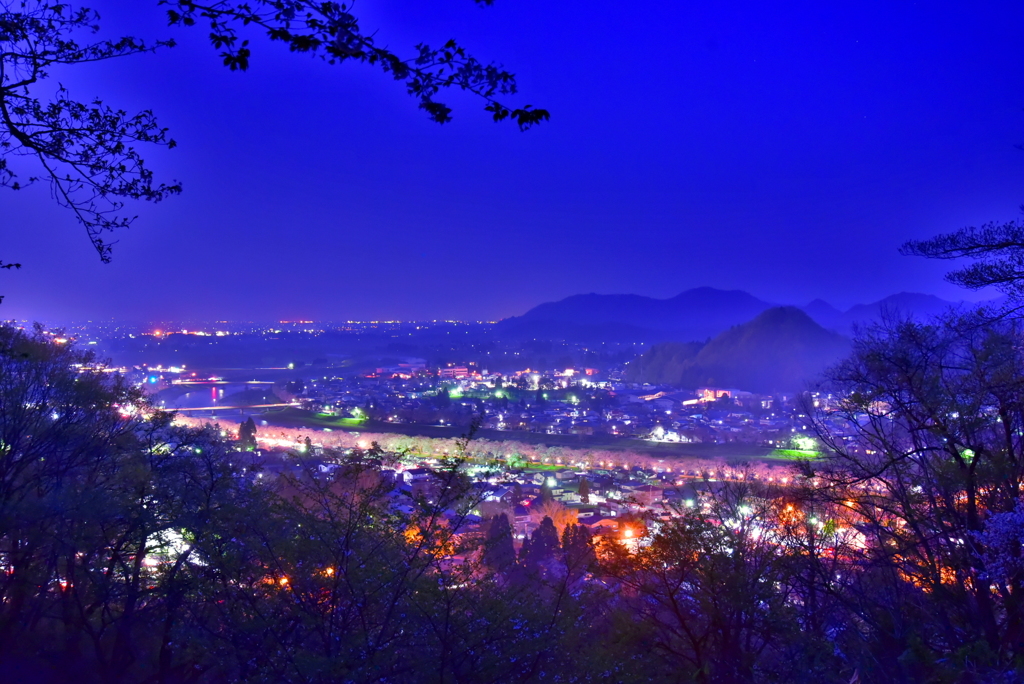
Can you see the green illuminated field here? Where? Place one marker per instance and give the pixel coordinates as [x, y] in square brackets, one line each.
[794, 455]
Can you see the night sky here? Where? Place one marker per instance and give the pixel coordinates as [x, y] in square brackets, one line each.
[784, 151]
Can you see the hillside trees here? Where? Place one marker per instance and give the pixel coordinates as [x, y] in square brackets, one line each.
[322, 582]
[247, 434]
[578, 550]
[94, 499]
[662, 363]
[331, 582]
[543, 547]
[499, 552]
[89, 153]
[558, 513]
[934, 470]
[134, 550]
[718, 591]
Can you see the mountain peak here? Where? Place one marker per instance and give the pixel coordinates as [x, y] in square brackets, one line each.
[783, 315]
[694, 314]
[781, 349]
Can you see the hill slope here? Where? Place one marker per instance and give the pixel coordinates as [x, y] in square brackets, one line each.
[663, 363]
[782, 349]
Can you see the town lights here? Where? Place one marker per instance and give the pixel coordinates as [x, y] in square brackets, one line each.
[629, 540]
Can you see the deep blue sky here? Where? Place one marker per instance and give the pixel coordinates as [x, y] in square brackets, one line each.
[787, 151]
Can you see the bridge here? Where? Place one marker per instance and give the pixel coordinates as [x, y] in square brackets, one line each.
[221, 382]
[230, 408]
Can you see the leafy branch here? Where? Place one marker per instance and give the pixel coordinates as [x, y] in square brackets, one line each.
[997, 250]
[86, 151]
[329, 31]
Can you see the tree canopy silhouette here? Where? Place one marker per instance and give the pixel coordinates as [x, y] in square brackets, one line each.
[89, 152]
[996, 250]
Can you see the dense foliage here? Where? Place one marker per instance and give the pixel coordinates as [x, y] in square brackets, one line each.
[136, 550]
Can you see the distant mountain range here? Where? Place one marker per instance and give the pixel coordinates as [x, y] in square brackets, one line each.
[781, 349]
[911, 304]
[697, 314]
